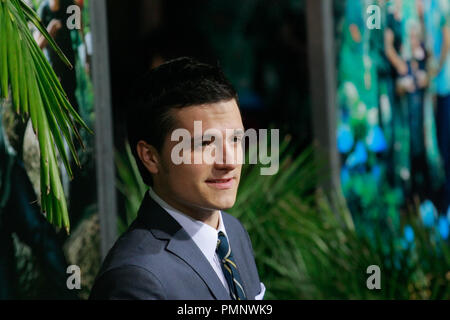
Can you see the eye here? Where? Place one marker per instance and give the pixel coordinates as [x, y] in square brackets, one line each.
[207, 140]
[236, 138]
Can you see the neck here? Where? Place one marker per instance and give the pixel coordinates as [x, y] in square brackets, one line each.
[207, 216]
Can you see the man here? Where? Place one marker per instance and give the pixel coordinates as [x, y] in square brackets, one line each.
[443, 102]
[182, 245]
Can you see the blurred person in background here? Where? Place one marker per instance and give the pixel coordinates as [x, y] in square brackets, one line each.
[54, 17]
[411, 87]
[399, 172]
[437, 23]
[53, 14]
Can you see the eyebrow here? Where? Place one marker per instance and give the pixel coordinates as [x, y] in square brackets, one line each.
[235, 131]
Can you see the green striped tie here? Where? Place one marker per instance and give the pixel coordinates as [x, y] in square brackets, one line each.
[229, 268]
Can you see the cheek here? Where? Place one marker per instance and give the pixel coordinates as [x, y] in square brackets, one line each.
[187, 177]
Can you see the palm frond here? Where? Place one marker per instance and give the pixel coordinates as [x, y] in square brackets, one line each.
[37, 93]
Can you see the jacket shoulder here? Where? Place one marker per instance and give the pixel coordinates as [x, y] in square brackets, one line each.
[137, 246]
[127, 282]
[232, 222]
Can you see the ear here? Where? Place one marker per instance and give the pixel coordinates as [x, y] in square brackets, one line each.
[149, 156]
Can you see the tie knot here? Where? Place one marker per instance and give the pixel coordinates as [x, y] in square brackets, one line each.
[223, 248]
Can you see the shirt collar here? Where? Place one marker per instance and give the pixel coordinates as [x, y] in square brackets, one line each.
[204, 236]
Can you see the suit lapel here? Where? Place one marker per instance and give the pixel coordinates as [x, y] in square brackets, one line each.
[185, 248]
[163, 226]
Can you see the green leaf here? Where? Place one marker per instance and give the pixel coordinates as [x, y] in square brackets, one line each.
[37, 91]
[3, 52]
[34, 18]
[13, 67]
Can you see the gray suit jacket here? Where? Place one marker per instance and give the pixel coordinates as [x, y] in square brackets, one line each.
[156, 259]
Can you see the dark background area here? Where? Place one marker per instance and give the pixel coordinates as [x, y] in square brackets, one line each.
[261, 45]
[272, 80]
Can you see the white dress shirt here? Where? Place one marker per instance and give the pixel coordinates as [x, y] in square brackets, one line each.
[203, 235]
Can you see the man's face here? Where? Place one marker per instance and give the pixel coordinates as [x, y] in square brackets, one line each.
[211, 185]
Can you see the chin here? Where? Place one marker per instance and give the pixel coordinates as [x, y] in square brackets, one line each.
[225, 203]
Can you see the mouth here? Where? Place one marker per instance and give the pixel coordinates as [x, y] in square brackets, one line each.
[221, 183]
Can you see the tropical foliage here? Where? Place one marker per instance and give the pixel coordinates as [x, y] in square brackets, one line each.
[37, 93]
[306, 243]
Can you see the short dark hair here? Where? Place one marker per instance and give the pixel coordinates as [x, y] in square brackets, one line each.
[177, 83]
